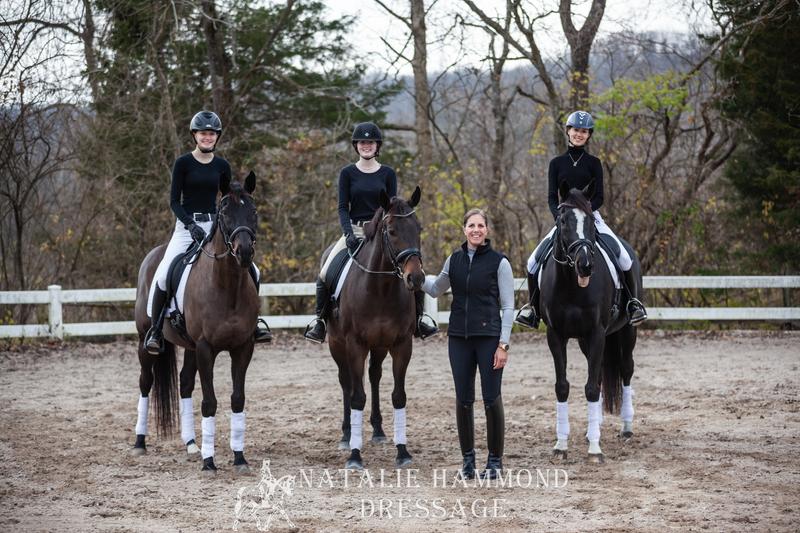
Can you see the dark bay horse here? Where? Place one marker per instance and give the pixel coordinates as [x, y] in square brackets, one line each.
[576, 298]
[376, 315]
[220, 306]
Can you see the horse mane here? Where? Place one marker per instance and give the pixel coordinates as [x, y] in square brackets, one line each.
[576, 199]
[236, 189]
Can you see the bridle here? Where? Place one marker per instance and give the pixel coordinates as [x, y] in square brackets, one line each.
[575, 246]
[226, 237]
[398, 259]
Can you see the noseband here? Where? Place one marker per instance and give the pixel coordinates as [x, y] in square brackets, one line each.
[398, 259]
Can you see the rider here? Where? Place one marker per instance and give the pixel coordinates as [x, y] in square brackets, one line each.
[578, 168]
[196, 178]
[360, 185]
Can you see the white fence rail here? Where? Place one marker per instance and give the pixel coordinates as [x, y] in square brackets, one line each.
[55, 297]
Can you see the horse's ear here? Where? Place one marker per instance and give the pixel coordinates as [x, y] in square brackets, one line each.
[385, 200]
[588, 191]
[563, 191]
[415, 197]
[250, 182]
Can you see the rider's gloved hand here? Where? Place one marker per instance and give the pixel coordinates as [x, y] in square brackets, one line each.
[352, 242]
[198, 233]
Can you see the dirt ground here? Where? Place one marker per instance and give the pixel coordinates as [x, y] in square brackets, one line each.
[716, 445]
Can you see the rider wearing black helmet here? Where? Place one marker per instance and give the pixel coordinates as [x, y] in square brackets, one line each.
[578, 168]
[196, 178]
[360, 185]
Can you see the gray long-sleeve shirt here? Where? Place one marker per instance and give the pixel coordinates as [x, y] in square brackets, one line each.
[505, 283]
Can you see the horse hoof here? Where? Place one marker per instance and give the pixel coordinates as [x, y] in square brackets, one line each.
[208, 466]
[354, 462]
[137, 451]
[192, 448]
[403, 457]
[626, 434]
[379, 439]
[597, 458]
[559, 456]
[344, 445]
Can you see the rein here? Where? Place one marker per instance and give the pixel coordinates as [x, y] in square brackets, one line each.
[398, 259]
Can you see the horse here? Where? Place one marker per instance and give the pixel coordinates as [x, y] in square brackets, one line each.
[220, 307]
[376, 315]
[576, 298]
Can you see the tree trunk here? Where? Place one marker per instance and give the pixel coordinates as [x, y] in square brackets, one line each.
[580, 44]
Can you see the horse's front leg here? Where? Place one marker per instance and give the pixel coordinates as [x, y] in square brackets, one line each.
[187, 379]
[240, 360]
[401, 356]
[558, 347]
[356, 355]
[208, 408]
[597, 342]
[375, 371]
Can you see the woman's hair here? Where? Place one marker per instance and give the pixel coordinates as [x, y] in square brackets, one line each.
[476, 211]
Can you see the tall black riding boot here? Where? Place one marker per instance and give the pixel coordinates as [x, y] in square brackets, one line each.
[528, 316]
[495, 437]
[636, 311]
[423, 330]
[154, 340]
[465, 421]
[317, 330]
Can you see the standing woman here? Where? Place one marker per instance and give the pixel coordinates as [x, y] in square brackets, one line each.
[577, 168]
[360, 186]
[483, 289]
[196, 178]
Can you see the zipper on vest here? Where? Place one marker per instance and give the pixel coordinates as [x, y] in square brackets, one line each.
[466, 300]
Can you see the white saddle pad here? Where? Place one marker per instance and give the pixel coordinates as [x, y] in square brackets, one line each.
[342, 277]
[178, 296]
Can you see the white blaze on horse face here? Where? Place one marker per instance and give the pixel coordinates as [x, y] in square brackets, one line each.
[581, 220]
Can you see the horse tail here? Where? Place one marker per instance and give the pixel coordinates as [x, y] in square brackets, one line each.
[165, 390]
[612, 373]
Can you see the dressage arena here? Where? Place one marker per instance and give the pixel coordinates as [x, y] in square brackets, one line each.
[716, 444]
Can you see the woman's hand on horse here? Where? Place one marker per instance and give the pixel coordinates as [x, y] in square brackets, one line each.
[352, 242]
[500, 358]
[198, 233]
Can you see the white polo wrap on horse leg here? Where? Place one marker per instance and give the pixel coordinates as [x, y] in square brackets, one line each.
[187, 420]
[356, 421]
[626, 412]
[209, 430]
[141, 418]
[400, 426]
[595, 415]
[237, 431]
[562, 425]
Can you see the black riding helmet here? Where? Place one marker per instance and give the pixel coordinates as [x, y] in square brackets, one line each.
[367, 131]
[203, 121]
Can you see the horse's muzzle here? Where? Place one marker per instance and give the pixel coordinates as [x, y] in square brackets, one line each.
[413, 275]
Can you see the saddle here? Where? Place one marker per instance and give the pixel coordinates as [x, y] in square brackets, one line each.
[335, 270]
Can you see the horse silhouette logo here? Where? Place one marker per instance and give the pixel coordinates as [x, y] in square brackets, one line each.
[265, 501]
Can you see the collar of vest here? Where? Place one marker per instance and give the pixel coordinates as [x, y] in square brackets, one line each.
[482, 249]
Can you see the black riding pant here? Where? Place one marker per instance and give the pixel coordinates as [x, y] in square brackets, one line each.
[465, 356]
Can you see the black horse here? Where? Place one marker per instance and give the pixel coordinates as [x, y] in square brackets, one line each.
[376, 316]
[578, 302]
[221, 308]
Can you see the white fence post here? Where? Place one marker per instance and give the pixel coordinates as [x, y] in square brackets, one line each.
[56, 319]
